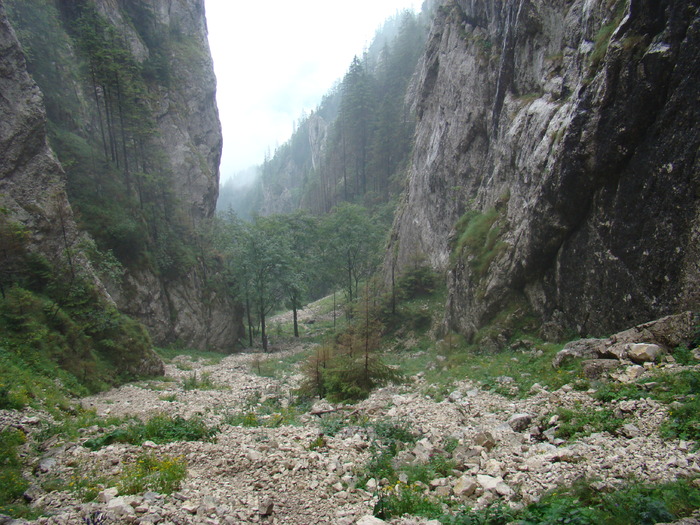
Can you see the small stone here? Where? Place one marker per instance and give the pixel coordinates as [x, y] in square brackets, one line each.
[266, 507]
[149, 444]
[485, 439]
[465, 486]
[502, 489]
[488, 482]
[190, 507]
[321, 407]
[46, 465]
[32, 493]
[630, 431]
[520, 422]
[107, 495]
[443, 491]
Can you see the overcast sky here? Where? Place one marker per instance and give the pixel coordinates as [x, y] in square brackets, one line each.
[277, 58]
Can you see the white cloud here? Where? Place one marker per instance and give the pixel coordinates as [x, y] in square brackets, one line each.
[277, 58]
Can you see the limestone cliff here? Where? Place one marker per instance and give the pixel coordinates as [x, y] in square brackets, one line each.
[129, 90]
[44, 250]
[555, 169]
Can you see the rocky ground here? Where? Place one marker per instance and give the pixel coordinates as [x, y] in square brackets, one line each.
[506, 450]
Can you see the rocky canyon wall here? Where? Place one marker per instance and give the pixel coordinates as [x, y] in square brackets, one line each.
[151, 191]
[555, 173]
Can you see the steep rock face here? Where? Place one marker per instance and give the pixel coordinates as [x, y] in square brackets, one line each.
[178, 154]
[32, 188]
[555, 169]
[281, 187]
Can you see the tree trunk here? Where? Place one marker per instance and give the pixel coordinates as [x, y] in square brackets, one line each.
[263, 333]
[296, 325]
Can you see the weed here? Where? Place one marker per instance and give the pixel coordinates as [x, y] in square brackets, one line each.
[602, 38]
[150, 472]
[683, 355]
[161, 428]
[270, 413]
[400, 498]
[168, 397]
[86, 484]
[203, 382]
[583, 421]
[684, 421]
[12, 484]
[631, 504]
[331, 424]
[319, 442]
[437, 467]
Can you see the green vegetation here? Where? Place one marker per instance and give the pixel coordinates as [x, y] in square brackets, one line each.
[580, 504]
[270, 413]
[602, 38]
[150, 472]
[12, 484]
[680, 390]
[478, 239]
[583, 421]
[401, 498]
[370, 131]
[161, 428]
[203, 382]
[59, 336]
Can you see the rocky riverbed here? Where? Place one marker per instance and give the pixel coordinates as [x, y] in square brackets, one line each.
[502, 449]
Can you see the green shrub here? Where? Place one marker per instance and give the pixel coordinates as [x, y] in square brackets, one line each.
[631, 504]
[12, 484]
[497, 514]
[439, 466]
[149, 472]
[243, 419]
[583, 421]
[203, 382]
[684, 420]
[401, 499]
[161, 428]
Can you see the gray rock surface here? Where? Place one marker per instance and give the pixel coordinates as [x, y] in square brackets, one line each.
[527, 116]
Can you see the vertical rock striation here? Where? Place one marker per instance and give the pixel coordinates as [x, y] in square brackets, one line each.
[555, 169]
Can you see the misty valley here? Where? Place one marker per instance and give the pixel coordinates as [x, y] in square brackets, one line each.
[465, 291]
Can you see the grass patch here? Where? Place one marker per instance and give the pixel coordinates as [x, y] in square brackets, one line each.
[604, 34]
[269, 414]
[161, 428]
[203, 382]
[70, 427]
[511, 373]
[583, 421]
[150, 472]
[679, 390]
[12, 484]
[400, 498]
[632, 504]
[478, 237]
